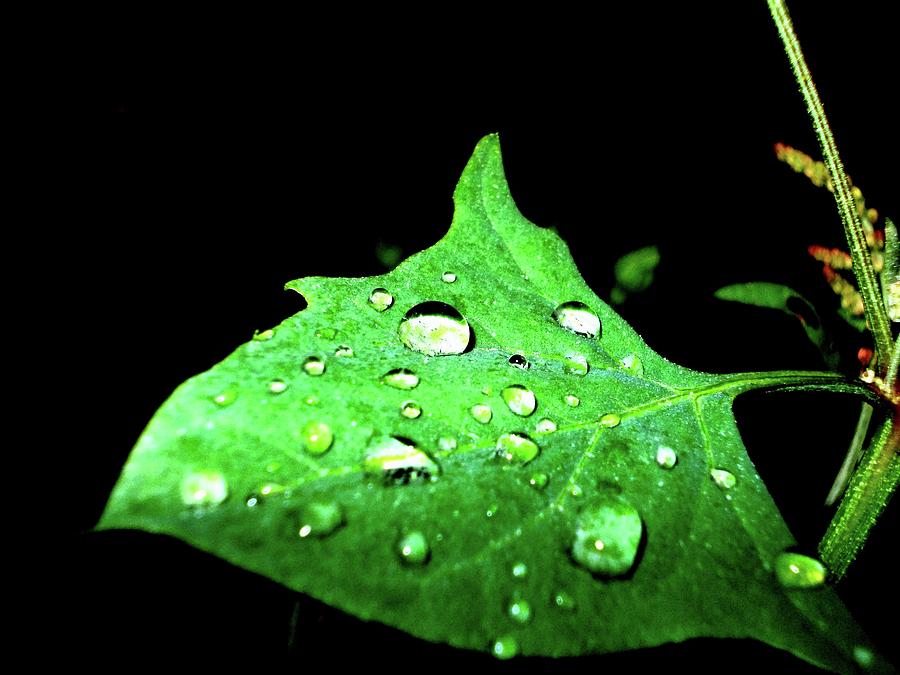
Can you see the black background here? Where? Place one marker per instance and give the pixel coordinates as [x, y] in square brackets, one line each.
[296, 152]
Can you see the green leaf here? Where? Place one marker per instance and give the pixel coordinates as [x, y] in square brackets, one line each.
[789, 301]
[460, 449]
[634, 272]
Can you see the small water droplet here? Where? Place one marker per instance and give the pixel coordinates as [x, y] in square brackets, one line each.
[482, 413]
[410, 409]
[317, 437]
[314, 366]
[326, 333]
[546, 426]
[401, 378]
[312, 399]
[563, 600]
[575, 364]
[252, 500]
[666, 457]
[578, 318]
[413, 548]
[610, 420]
[794, 570]
[863, 656]
[263, 336]
[575, 490]
[492, 510]
[724, 479]
[398, 461]
[204, 488]
[539, 480]
[633, 365]
[278, 386]
[520, 400]
[380, 299]
[319, 519]
[520, 570]
[607, 536]
[447, 444]
[435, 329]
[520, 611]
[519, 361]
[505, 647]
[572, 400]
[225, 398]
[448, 277]
[517, 448]
[343, 351]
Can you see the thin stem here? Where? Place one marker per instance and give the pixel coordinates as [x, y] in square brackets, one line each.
[890, 380]
[876, 316]
[852, 456]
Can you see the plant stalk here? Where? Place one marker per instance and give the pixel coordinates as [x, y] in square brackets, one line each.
[876, 316]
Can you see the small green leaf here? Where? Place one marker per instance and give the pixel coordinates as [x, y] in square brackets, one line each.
[590, 526]
[634, 272]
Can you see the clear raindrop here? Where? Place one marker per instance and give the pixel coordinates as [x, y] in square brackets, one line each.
[516, 448]
[520, 570]
[575, 364]
[398, 461]
[317, 437]
[610, 420]
[482, 413]
[401, 378]
[633, 365]
[519, 361]
[313, 366]
[520, 611]
[447, 444]
[520, 400]
[413, 548]
[343, 351]
[794, 570]
[380, 299]
[505, 647]
[607, 536]
[448, 277]
[722, 478]
[546, 426]
[666, 457]
[539, 480]
[571, 400]
[578, 318]
[410, 410]
[204, 488]
[563, 600]
[278, 386]
[225, 398]
[435, 329]
[320, 518]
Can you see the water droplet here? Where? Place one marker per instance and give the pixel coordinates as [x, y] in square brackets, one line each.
[410, 409]
[519, 399]
[343, 351]
[666, 457]
[563, 600]
[435, 329]
[520, 570]
[277, 386]
[398, 461]
[575, 490]
[317, 437]
[447, 444]
[578, 318]
[517, 448]
[632, 363]
[492, 510]
[252, 500]
[863, 656]
[263, 336]
[312, 399]
[505, 647]
[326, 333]
[575, 364]
[572, 400]
[539, 480]
[724, 479]
[413, 548]
[519, 361]
[204, 488]
[794, 570]
[448, 277]
[482, 413]
[546, 426]
[520, 611]
[610, 420]
[607, 536]
[380, 299]
[401, 378]
[319, 519]
[314, 366]
[225, 398]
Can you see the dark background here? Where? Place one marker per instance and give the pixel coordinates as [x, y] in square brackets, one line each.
[306, 147]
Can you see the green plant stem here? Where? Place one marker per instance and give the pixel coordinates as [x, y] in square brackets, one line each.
[890, 380]
[871, 487]
[852, 456]
[876, 316]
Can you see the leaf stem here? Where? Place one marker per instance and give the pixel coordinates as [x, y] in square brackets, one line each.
[890, 380]
[876, 316]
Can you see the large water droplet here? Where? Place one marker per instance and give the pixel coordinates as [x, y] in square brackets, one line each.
[724, 479]
[398, 461]
[610, 420]
[314, 366]
[435, 328]
[519, 399]
[401, 378]
[380, 299]
[519, 361]
[413, 548]
[575, 364]
[278, 386]
[448, 277]
[571, 400]
[633, 365]
[520, 611]
[578, 318]
[204, 488]
[563, 600]
[482, 413]
[224, 398]
[794, 570]
[343, 351]
[666, 457]
[505, 647]
[263, 336]
[517, 448]
[317, 437]
[607, 536]
[520, 570]
[546, 426]
[539, 480]
[319, 519]
[410, 409]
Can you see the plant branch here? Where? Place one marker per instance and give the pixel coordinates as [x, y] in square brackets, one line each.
[890, 380]
[876, 316]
